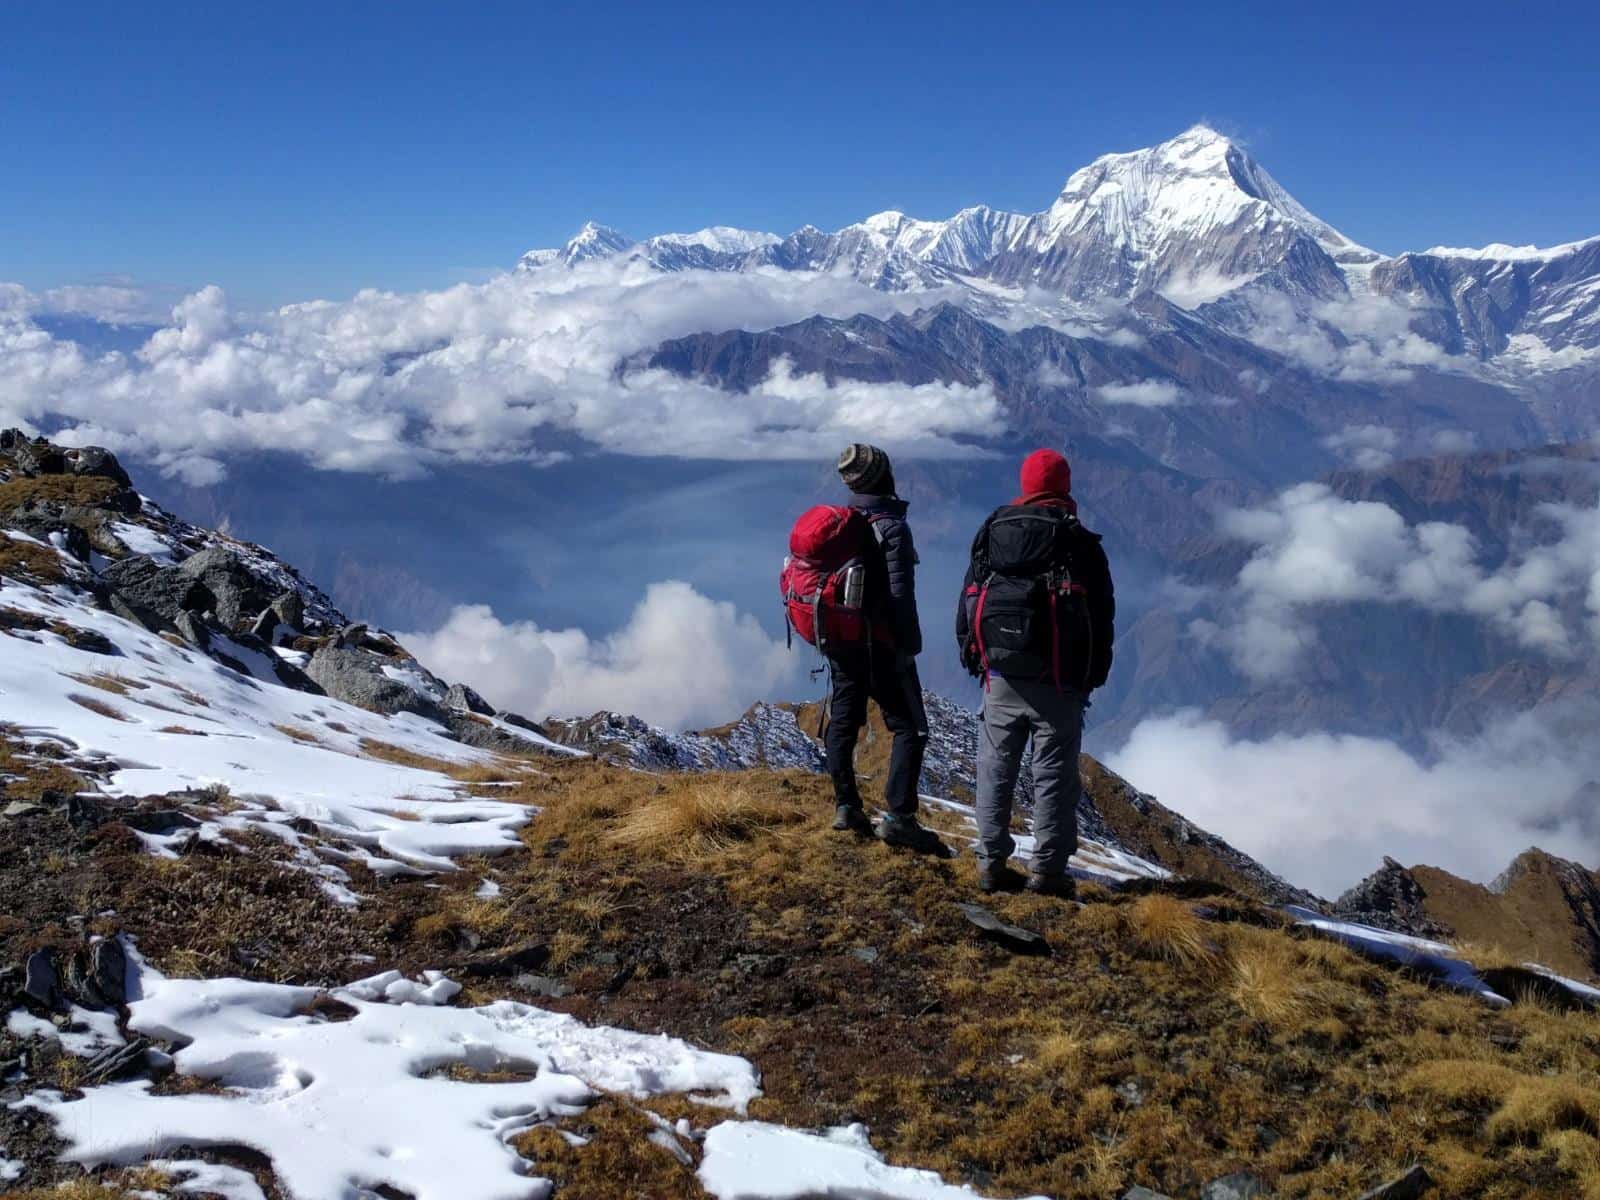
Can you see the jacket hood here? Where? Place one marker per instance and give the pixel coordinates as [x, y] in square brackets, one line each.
[892, 505]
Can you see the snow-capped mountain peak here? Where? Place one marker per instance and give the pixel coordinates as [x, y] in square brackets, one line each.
[1178, 204]
[594, 241]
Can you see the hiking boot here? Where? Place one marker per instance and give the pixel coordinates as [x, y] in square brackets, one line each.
[999, 878]
[1053, 885]
[849, 818]
[906, 832]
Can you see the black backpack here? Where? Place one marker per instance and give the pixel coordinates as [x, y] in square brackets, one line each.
[1029, 617]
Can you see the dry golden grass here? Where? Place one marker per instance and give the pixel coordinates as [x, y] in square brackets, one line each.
[98, 706]
[298, 734]
[1270, 983]
[27, 560]
[183, 729]
[85, 490]
[689, 820]
[565, 947]
[107, 681]
[1168, 929]
[30, 774]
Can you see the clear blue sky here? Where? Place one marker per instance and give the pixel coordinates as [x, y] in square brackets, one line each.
[295, 150]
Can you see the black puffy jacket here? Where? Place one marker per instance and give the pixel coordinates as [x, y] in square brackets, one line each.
[888, 517]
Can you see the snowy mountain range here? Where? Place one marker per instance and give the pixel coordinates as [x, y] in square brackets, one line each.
[1195, 222]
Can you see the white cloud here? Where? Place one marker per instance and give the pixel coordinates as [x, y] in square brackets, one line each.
[524, 367]
[1361, 338]
[682, 661]
[1453, 441]
[1315, 549]
[1369, 447]
[1323, 810]
[1142, 393]
[114, 300]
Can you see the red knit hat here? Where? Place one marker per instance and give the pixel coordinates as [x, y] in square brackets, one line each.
[1046, 471]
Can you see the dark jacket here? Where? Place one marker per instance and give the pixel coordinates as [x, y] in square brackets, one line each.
[899, 581]
[1089, 568]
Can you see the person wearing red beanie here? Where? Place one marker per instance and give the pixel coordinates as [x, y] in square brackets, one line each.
[1045, 473]
[1035, 622]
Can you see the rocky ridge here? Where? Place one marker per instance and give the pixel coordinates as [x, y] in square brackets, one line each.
[229, 599]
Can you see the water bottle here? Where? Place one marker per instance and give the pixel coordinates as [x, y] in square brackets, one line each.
[855, 586]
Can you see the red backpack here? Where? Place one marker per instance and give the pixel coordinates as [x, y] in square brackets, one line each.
[824, 579]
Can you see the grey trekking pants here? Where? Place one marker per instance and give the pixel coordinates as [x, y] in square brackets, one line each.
[1014, 709]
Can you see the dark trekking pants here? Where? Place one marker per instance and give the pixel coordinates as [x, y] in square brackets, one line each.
[858, 676]
[1013, 711]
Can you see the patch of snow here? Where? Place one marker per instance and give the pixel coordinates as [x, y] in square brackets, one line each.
[196, 1176]
[141, 539]
[435, 988]
[488, 890]
[359, 1103]
[751, 1160]
[1589, 995]
[724, 239]
[1502, 252]
[87, 1033]
[10, 1169]
[1432, 958]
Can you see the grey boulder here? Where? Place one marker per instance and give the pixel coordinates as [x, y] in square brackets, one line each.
[358, 677]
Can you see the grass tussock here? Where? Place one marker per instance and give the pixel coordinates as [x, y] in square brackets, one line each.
[295, 733]
[98, 707]
[692, 819]
[28, 560]
[1167, 928]
[81, 490]
[619, 1160]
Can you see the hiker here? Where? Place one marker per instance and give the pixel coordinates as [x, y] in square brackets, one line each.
[850, 590]
[1035, 623]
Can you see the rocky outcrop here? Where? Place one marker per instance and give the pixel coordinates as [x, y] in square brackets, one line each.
[1391, 898]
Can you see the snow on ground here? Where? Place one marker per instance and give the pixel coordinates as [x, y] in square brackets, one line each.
[176, 720]
[10, 1168]
[1094, 861]
[86, 1033]
[1433, 958]
[750, 1160]
[193, 1176]
[343, 1107]
[365, 1102]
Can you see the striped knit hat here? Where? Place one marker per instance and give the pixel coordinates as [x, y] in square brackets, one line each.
[865, 469]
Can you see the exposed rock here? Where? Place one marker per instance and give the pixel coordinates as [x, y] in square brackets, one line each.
[21, 808]
[358, 677]
[96, 460]
[1012, 937]
[160, 821]
[291, 610]
[237, 595]
[1391, 898]
[461, 698]
[152, 594]
[543, 985]
[529, 956]
[107, 981]
[118, 1062]
[1241, 1185]
[35, 456]
[41, 983]
[193, 630]
[1409, 1186]
[472, 730]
